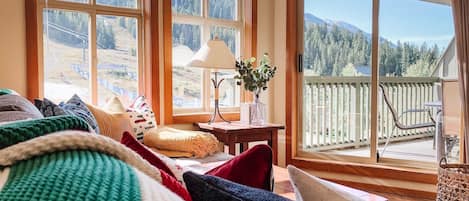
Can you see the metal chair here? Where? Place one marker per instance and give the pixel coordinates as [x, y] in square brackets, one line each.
[397, 119]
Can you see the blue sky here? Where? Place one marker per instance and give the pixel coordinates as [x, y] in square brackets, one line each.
[405, 20]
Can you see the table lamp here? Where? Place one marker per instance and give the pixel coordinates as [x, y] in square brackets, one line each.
[214, 55]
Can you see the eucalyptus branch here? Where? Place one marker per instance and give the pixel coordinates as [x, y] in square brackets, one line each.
[254, 79]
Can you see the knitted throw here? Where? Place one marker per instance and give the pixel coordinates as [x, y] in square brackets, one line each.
[20, 131]
[74, 165]
[71, 175]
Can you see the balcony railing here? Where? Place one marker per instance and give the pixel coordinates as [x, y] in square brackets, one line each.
[337, 110]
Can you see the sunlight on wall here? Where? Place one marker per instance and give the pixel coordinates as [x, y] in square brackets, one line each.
[13, 48]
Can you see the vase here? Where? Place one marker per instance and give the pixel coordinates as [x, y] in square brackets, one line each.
[257, 111]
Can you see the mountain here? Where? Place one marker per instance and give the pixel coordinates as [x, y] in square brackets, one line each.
[312, 19]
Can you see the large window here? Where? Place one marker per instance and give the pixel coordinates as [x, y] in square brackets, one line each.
[91, 48]
[194, 22]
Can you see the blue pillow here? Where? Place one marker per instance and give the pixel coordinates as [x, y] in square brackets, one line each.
[75, 106]
[48, 108]
[212, 188]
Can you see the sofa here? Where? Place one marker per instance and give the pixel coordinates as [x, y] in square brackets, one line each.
[52, 154]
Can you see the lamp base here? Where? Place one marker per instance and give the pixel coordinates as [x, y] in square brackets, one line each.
[216, 112]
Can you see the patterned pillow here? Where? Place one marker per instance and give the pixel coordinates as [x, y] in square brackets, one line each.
[212, 188]
[141, 117]
[48, 108]
[75, 106]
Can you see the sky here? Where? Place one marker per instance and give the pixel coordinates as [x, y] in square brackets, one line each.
[413, 21]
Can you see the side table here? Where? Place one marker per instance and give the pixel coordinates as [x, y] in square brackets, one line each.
[235, 132]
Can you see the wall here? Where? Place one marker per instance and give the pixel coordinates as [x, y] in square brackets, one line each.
[13, 46]
[271, 38]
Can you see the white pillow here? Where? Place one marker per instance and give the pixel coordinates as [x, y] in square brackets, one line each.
[311, 188]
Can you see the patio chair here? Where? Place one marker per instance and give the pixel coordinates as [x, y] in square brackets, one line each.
[397, 119]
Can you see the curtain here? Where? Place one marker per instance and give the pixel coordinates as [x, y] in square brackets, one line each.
[461, 24]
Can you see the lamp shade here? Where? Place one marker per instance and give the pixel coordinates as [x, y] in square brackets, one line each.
[214, 55]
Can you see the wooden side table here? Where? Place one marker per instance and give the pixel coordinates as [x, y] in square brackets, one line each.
[235, 132]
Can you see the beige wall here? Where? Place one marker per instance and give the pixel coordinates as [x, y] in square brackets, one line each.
[271, 38]
[13, 46]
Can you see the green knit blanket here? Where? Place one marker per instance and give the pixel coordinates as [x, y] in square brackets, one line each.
[71, 175]
[39, 163]
[24, 130]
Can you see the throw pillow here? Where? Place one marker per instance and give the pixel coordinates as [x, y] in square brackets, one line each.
[114, 105]
[15, 107]
[211, 188]
[251, 168]
[48, 108]
[75, 106]
[311, 188]
[112, 125]
[167, 176]
[141, 117]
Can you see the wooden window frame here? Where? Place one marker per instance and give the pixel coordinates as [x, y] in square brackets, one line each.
[149, 46]
[249, 45]
[340, 164]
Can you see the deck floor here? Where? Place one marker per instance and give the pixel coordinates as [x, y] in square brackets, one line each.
[416, 150]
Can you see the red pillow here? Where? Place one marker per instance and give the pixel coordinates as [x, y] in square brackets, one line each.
[167, 177]
[251, 168]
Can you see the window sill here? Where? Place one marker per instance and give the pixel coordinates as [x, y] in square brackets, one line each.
[202, 117]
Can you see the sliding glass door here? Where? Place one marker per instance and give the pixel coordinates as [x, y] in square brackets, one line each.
[416, 41]
[405, 116]
[336, 70]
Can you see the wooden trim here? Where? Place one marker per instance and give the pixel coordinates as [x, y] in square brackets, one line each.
[374, 82]
[168, 64]
[93, 58]
[151, 55]
[32, 58]
[250, 45]
[368, 170]
[291, 108]
[191, 118]
[250, 37]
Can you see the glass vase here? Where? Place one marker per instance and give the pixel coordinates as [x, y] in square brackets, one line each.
[257, 112]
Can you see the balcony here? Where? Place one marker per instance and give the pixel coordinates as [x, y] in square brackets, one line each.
[337, 115]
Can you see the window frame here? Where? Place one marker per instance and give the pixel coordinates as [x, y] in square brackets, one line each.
[93, 10]
[246, 23]
[146, 14]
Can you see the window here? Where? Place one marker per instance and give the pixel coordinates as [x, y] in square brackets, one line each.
[193, 23]
[92, 48]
